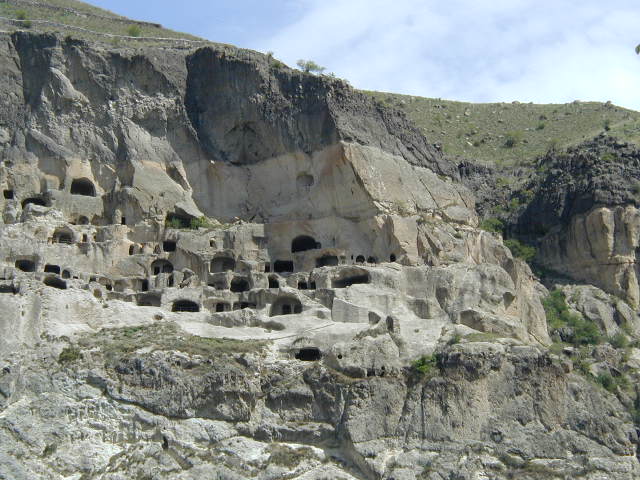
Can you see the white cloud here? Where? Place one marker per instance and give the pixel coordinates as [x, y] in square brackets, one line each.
[499, 50]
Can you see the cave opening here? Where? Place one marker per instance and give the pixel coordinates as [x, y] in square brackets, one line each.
[185, 306]
[83, 186]
[55, 282]
[283, 266]
[26, 265]
[48, 268]
[309, 354]
[351, 280]
[304, 243]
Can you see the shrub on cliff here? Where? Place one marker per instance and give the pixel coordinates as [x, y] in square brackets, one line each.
[425, 365]
[571, 327]
[493, 225]
[309, 66]
[520, 250]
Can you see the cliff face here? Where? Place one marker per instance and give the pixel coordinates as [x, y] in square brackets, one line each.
[216, 267]
[197, 126]
[585, 212]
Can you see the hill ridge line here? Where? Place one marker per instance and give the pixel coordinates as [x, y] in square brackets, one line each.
[13, 21]
[115, 18]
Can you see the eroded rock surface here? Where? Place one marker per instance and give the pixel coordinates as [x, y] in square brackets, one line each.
[215, 267]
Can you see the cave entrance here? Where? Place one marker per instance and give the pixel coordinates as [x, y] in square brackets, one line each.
[327, 261]
[185, 306]
[48, 268]
[223, 264]
[34, 201]
[26, 265]
[62, 235]
[351, 280]
[286, 306]
[161, 266]
[239, 284]
[309, 354]
[169, 246]
[83, 186]
[283, 266]
[304, 243]
[149, 301]
[55, 282]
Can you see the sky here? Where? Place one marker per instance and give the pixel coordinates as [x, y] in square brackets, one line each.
[544, 51]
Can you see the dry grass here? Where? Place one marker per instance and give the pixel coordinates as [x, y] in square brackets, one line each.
[165, 336]
[101, 23]
[512, 133]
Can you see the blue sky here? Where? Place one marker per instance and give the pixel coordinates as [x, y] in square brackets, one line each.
[472, 50]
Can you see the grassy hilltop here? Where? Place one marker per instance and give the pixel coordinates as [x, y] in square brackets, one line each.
[79, 14]
[512, 133]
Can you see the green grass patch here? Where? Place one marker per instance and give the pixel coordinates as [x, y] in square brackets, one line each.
[481, 337]
[520, 250]
[165, 336]
[486, 126]
[611, 383]
[69, 355]
[493, 225]
[584, 332]
[619, 341]
[425, 365]
[289, 457]
[85, 16]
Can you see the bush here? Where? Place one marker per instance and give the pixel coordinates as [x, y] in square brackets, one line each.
[134, 31]
[494, 225]
[174, 222]
[274, 62]
[553, 145]
[202, 222]
[611, 383]
[455, 339]
[520, 250]
[606, 125]
[22, 15]
[309, 66]
[540, 126]
[619, 340]
[69, 354]
[512, 139]
[425, 364]
[582, 331]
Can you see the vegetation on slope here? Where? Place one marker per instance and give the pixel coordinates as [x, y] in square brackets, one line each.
[79, 14]
[512, 133]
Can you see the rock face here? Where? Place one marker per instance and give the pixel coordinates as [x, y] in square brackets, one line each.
[216, 267]
[585, 208]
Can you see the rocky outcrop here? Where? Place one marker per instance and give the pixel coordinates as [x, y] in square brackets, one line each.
[584, 215]
[504, 410]
[212, 266]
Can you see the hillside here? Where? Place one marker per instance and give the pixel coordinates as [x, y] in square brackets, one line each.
[82, 20]
[512, 133]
